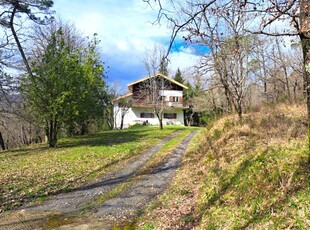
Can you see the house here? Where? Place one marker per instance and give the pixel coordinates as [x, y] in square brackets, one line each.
[148, 98]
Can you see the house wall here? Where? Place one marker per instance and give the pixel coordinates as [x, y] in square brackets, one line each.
[169, 93]
[133, 117]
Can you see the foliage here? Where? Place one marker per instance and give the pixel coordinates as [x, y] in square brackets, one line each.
[178, 76]
[137, 126]
[66, 86]
[89, 92]
[201, 22]
[27, 7]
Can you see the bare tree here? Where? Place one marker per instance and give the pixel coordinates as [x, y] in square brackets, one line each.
[229, 59]
[187, 16]
[123, 107]
[154, 86]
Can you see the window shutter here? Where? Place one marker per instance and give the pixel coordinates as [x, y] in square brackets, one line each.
[171, 98]
[181, 99]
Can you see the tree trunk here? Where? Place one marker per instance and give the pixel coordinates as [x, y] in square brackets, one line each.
[19, 46]
[305, 42]
[161, 123]
[84, 128]
[51, 132]
[2, 142]
[306, 75]
[122, 122]
[239, 108]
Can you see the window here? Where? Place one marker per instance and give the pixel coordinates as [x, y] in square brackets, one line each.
[174, 99]
[146, 115]
[170, 115]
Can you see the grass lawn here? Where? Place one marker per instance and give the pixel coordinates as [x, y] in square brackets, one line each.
[38, 171]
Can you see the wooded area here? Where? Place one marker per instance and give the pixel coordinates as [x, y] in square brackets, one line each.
[255, 46]
[59, 87]
[53, 81]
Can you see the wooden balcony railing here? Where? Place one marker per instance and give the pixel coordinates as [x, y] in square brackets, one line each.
[146, 103]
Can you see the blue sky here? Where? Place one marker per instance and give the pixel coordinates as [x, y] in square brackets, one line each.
[125, 30]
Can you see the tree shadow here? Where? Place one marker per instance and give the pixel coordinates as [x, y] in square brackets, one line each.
[257, 216]
[104, 139]
[108, 138]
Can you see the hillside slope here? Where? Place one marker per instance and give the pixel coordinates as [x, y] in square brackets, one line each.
[251, 175]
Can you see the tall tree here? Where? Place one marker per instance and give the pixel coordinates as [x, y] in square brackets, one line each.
[66, 87]
[89, 91]
[155, 85]
[37, 11]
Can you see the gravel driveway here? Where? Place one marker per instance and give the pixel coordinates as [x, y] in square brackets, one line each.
[62, 210]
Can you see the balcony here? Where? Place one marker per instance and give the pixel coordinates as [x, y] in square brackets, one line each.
[168, 104]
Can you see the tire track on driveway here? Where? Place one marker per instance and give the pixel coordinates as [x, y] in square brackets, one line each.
[75, 199]
[126, 206]
[62, 211]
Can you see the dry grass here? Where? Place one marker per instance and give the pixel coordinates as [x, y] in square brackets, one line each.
[175, 208]
[251, 174]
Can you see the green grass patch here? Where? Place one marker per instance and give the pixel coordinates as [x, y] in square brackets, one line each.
[258, 189]
[254, 177]
[166, 149]
[36, 171]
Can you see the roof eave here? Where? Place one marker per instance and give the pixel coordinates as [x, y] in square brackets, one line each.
[162, 75]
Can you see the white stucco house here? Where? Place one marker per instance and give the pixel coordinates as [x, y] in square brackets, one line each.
[147, 96]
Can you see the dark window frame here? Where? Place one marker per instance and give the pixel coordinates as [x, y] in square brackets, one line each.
[170, 115]
[147, 115]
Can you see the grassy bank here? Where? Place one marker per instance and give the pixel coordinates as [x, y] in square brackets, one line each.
[38, 171]
[252, 174]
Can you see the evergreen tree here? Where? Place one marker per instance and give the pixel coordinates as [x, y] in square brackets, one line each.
[178, 76]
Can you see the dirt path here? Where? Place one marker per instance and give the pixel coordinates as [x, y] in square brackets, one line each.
[62, 210]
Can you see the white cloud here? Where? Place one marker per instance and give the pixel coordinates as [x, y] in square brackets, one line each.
[125, 31]
[183, 60]
[122, 45]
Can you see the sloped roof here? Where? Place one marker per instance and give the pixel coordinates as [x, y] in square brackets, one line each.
[162, 75]
[121, 97]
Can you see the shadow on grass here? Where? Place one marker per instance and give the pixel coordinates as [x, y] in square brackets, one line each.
[108, 138]
[255, 217]
[262, 214]
[105, 138]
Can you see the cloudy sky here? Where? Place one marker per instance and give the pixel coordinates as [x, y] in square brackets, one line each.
[125, 30]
